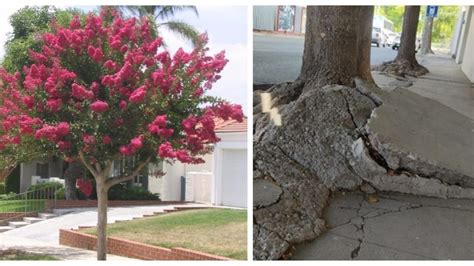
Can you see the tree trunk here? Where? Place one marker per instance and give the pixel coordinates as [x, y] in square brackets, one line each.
[408, 40]
[337, 45]
[4, 173]
[366, 14]
[405, 63]
[74, 170]
[426, 37]
[102, 199]
[297, 162]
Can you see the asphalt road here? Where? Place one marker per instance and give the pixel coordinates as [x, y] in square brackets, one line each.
[277, 58]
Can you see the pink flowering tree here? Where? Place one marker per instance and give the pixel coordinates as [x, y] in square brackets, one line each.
[104, 89]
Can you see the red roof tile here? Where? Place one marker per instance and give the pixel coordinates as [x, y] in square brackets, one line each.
[230, 126]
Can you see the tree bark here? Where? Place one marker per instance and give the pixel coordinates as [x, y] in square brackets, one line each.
[102, 199]
[408, 40]
[4, 173]
[426, 37]
[337, 45]
[73, 171]
[366, 14]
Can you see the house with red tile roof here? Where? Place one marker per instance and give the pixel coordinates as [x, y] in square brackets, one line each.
[221, 180]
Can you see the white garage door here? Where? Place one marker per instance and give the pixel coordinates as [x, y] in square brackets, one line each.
[234, 177]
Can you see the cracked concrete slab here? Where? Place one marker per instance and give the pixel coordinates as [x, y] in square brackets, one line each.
[424, 136]
[397, 227]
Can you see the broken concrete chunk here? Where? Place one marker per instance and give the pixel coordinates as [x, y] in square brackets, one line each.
[265, 193]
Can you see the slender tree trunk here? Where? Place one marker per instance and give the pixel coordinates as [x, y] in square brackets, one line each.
[102, 199]
[4, 173]
[426, 37]
[337, 45]
[408, 39]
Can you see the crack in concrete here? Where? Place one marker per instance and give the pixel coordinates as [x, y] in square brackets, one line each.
[382, 246]
[359, 228]
[428, 205]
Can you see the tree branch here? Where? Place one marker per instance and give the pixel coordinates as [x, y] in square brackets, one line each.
[116, 180]
[88, 166]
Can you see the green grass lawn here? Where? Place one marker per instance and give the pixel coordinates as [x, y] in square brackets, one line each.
[11, 254]
[21, 205]
[216, 231]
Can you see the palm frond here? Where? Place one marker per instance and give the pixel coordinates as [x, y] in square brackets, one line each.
[183, 29]
[166, 12]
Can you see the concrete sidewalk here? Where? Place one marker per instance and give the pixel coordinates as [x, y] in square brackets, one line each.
[426, 126]
[43, 236]
[425, 129]
[398, 227]
[58, 251]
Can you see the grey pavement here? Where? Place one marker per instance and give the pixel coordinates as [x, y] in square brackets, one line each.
[46, 233]
[432, 119]
[397, 227]
[278, 58]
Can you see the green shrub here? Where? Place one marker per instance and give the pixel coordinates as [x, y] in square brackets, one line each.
[11, 194]
[2, 188]
[12, 182]
[123, 192]
[45, 190]
[60, 193]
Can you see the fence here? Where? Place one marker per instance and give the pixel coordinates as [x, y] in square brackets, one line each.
[26, 203]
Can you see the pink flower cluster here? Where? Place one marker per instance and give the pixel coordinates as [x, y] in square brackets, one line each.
[99, 106]
[134, 145]
[53, 133]
[159, 127]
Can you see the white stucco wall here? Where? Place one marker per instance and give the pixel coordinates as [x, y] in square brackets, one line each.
[27, 170]
[230, 170]
[169, 186]
[467, 65]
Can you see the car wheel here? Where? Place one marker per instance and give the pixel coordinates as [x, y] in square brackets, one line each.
[378, 44]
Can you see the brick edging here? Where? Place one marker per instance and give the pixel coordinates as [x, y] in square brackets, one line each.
[132, 249]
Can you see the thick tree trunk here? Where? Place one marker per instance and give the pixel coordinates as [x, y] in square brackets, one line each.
[337, 45]
[102, 199]
[405, 63]
[426, 37]
[74, 171]
[297, 163]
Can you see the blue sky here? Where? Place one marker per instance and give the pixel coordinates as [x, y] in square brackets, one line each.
[227, 30]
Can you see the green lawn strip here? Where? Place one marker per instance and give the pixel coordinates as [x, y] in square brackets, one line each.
[11, 254]
[216, 231]
[22, 205]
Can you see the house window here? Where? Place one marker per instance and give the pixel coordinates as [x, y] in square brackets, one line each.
[42, 170]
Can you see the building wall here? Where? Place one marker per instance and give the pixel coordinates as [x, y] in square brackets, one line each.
[26, 171]
[169, 185]
[264, 17]
[467, 65]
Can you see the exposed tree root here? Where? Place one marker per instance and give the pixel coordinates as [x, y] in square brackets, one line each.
[402, 68]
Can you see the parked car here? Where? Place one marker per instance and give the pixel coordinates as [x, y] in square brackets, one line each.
[378, 37]
[396, 43]
[391, 38]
